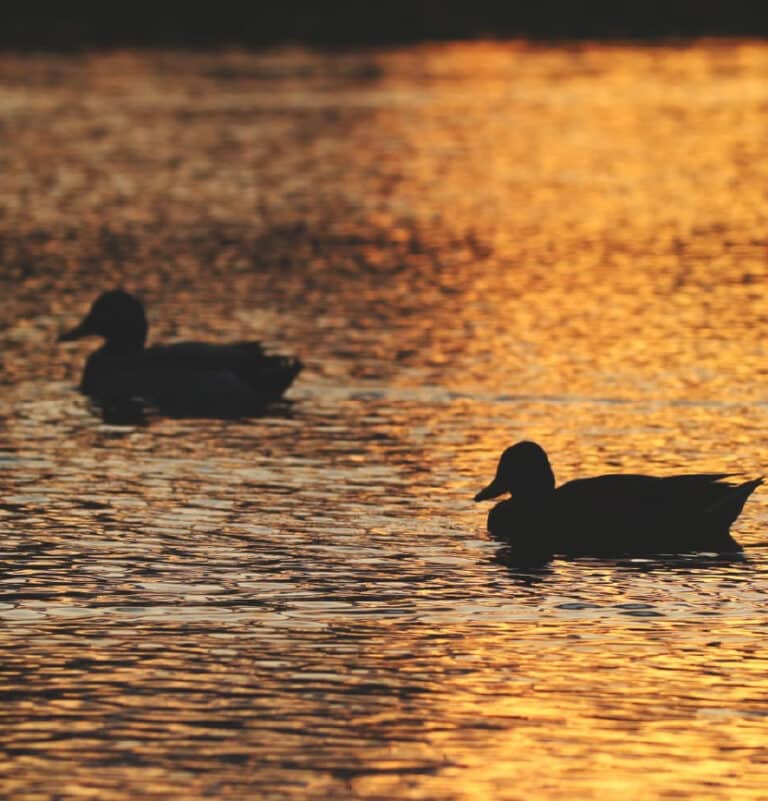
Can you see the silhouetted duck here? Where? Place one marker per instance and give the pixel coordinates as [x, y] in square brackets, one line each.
[612, 514]
[187, 379]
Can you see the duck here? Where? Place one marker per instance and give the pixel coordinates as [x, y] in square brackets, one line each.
[609, 515]
[184, 379]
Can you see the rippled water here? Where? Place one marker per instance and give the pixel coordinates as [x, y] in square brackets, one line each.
[467, 245]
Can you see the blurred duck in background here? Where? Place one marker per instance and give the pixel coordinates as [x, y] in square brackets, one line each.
[185, 379]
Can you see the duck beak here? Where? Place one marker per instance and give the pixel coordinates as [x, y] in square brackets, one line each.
[493, 490]
[78, 332]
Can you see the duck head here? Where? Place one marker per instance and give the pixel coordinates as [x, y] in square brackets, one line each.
[523, 469]
[116, 316]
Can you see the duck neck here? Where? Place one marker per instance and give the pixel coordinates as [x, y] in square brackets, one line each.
[125, 343]
[537, 484]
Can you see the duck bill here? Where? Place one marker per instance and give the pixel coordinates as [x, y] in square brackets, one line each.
[78, 332]
[493, 490]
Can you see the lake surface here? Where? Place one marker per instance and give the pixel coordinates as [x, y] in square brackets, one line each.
[467, 245]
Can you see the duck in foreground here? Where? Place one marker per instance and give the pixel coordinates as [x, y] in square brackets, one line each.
[186, 379]
[609, 515]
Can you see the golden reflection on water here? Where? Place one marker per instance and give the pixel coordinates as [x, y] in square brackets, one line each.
[468, 245]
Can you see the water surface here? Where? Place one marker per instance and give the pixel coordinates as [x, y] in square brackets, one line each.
[467, 245]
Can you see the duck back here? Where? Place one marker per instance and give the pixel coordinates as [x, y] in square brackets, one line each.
[196, 379]
[265, 374]
[645, 514]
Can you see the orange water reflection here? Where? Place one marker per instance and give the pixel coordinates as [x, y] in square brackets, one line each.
[467, 244]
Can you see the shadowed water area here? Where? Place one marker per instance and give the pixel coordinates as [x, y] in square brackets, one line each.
[467, 245]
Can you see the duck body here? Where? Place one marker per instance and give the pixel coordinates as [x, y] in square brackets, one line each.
[185, 379]
[611, 515]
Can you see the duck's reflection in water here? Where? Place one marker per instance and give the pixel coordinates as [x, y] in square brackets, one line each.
[735, 566]
[528, 574]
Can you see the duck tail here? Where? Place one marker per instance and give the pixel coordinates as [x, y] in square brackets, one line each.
[748, 487]
[729, 507]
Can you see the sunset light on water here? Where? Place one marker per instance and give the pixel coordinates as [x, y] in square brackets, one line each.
[467, 245]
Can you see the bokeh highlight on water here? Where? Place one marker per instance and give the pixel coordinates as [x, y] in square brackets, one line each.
[467, 245]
